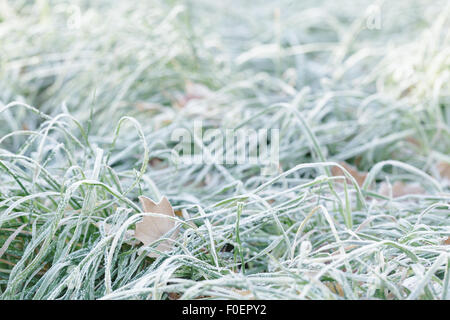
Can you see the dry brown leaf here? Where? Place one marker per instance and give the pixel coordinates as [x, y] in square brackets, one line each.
[400, 189]
[174, 295]
[444, 169]
[446, 241]
[157, 163]
[151, 229]
[359, 176]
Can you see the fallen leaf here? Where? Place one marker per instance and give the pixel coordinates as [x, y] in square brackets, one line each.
[444, 169]
[157, 163]
[353, 171]
[150, 229]
[446, 241]
[399, 189]
[173, 295]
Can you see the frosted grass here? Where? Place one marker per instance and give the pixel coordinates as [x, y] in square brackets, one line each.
[85, 113]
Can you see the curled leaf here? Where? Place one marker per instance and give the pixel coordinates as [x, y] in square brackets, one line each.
[151, 228]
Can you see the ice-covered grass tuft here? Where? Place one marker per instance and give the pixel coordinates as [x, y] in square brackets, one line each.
[87, 112]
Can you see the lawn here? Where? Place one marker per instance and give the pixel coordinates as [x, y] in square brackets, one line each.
[351, 99]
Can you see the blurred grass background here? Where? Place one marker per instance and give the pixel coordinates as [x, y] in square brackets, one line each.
[91, 91]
